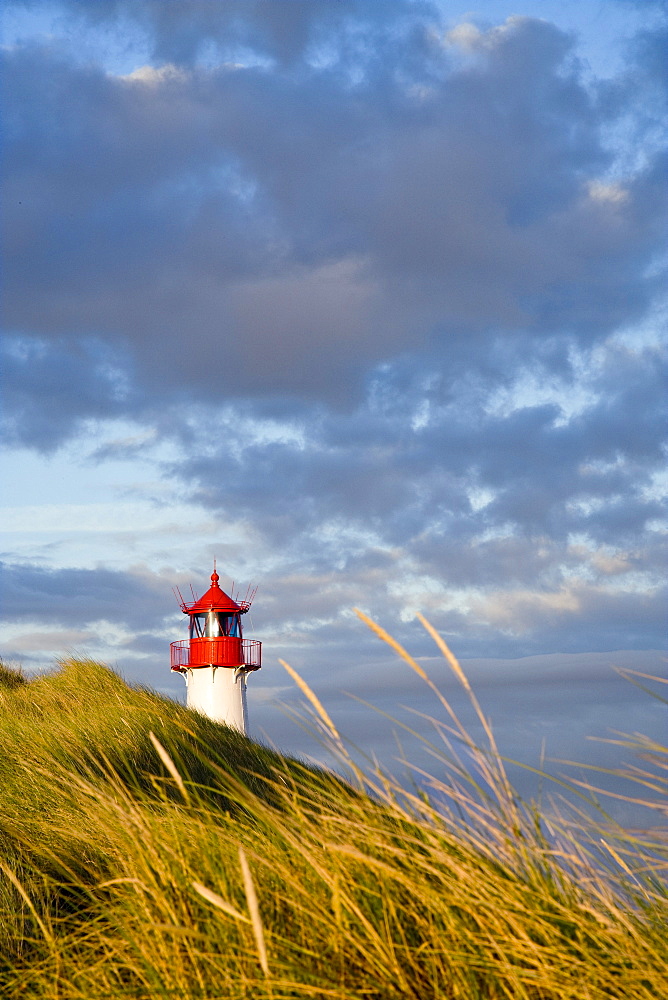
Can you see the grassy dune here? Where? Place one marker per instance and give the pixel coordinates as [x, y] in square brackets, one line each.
[148, 852]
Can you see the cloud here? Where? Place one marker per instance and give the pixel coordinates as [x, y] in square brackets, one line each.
[54, 386]
[48, 641]
[184, 32]
[278, 230]
[80, 597]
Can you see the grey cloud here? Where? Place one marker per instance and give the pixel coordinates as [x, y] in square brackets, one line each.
[545, 474]
[366, 498]
[52, 387]
[137, 598]
[180, 32]
[300, 613]
[258, 231]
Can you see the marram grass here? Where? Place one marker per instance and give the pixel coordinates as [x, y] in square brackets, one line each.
[148, 852]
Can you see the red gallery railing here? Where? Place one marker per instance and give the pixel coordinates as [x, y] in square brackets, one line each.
[216, 652]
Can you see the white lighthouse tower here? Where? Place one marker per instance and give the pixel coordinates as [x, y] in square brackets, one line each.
[215, 660]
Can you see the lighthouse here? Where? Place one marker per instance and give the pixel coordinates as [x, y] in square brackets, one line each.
[215, 659]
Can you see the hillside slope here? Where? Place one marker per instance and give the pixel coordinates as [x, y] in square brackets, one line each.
[196, 863]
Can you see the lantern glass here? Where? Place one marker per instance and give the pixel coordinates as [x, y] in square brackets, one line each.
[197, 626]
[213, 624]
[230, 625]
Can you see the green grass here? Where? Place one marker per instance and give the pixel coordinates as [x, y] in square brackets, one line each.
[196, 863]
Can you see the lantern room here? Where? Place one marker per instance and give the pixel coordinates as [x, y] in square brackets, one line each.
[215, 634]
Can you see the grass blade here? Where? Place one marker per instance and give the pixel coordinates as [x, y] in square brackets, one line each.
[254, 910]
[170, 765]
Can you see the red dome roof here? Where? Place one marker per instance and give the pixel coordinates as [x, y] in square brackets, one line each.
[215, 599]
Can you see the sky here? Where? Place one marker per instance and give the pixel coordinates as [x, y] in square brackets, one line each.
[366, 300]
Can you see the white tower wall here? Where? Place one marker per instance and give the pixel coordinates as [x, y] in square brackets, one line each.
[219, 693]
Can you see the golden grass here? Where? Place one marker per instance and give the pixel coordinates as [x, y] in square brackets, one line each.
[148, 852]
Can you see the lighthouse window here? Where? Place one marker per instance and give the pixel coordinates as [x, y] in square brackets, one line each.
[230, 625]
[198, 626]
[214, 624]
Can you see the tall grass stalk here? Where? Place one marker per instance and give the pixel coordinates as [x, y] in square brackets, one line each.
[148, 852]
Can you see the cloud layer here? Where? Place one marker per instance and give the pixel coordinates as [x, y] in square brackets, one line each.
[276, 230]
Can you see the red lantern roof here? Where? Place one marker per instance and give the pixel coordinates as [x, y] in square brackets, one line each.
[215, 599]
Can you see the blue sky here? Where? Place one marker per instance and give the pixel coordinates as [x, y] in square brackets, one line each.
[366, 300]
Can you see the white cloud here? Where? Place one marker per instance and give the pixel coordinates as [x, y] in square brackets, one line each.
[470, 38]
[53, 642]
[465, 35]
[519, 610]
[607, 193]
[156, 75]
